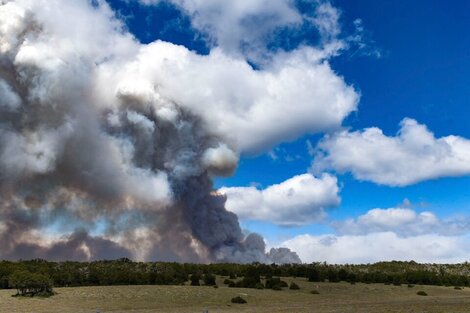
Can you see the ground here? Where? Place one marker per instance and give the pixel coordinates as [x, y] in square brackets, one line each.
[332, 297]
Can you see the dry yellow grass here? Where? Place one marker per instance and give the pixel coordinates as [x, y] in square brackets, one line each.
[333, 297]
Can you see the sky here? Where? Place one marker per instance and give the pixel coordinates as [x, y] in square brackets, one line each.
[406, 60]
[344, 123]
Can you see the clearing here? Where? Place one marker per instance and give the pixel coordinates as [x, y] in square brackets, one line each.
[332, 297]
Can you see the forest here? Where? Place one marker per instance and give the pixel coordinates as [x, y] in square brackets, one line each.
[43, 274]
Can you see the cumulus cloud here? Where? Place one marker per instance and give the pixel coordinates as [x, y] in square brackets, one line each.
[245, 27]
[99, 130]
[412, 156]
[388, 234]
[383, 246]
[299, 200]
[254, 110]
[402, 221]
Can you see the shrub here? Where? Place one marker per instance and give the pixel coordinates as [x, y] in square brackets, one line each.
[332, 275]
[421, 293]
[239, 300]
[209, 279]
[195, 280]
[276, 287]
[259, 286]
[270, 282]
[232, 276]
[343, 275]
[397, 281]
[352, 278]
[315, 292]
[228, 282]
[294, 286]
[410, 285]
[248, 282]
[215, 286]
[457, 288]
[31, 284]
[313, 274]
[275, 281]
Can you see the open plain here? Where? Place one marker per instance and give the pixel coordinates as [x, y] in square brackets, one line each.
[332, 297]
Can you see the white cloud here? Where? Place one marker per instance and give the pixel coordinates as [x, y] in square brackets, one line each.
[402, 221]
[299, 200]
[384, 246]
[293, 93]
[412, 156]
[299, 93]
[122, 125]
[388, 234]
[245, 26]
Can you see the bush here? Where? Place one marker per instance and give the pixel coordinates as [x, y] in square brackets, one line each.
[215, 286]
[239, 300]
[276, 287]
[421, 293]
[228, 282]
[352, 278]
[313, 274]
[259, 286]
[315, 292]
[457, 288]
[332, 275]
[275, 281]
[270, 282]
[31, 284]
[195, 280]
[209, 279]
[294, 286]
[248, 282]
[410, 285]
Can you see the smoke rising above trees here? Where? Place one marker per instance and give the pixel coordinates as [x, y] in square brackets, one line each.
[108, 146]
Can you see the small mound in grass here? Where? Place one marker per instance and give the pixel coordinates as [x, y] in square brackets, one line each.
[315, 292]
[239, 300]
[421, 293]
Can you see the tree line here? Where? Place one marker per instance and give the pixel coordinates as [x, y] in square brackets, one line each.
[42, 274]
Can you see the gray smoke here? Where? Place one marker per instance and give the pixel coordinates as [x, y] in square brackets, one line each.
[283, 255]
[95, 163]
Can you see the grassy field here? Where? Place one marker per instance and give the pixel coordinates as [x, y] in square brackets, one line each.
[332, 297]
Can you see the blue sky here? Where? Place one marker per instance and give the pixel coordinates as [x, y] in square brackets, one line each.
[412, 60]
[338, 129]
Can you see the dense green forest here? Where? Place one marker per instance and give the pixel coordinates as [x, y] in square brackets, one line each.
[256, 275]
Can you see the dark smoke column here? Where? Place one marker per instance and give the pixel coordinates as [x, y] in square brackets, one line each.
[91, 147]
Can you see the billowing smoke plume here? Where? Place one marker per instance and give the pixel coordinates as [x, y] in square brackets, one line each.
[98, 159]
